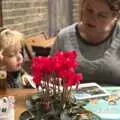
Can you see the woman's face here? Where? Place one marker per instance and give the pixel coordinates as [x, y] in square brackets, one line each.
[13, 58]
[97, 17]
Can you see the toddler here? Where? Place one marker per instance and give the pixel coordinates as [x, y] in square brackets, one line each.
[11, 59]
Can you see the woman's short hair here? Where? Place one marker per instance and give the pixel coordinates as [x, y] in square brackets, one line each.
[114, 6]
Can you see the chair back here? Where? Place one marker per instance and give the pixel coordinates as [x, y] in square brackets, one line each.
[38, 45]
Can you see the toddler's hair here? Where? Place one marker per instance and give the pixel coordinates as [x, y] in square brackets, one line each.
[9, 38]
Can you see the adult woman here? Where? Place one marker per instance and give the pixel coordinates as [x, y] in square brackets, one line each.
[96, 38]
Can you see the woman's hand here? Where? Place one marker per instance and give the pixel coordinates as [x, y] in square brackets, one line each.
[1, 59]
[1, 56]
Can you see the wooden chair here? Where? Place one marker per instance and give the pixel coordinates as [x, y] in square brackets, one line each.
[44, 35]
[38, 45]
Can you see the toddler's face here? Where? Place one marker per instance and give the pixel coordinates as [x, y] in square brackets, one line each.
[13, 58]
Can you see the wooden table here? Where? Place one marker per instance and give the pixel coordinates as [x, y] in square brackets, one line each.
[20, 96]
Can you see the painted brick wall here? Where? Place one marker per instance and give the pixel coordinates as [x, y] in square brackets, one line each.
[75, 10]
[27, 16]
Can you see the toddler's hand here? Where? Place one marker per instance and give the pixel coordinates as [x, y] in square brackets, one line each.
[27, 80]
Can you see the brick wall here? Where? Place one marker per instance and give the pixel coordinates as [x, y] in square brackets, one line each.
[31, 16]
[27, 16]
[75, 10]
